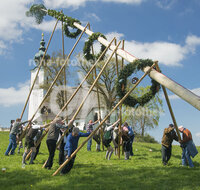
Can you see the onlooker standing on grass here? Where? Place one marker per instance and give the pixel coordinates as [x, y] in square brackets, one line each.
[89, 130]
[188, 147]
[107, 139]
[71, 146]
[12, 137]
[169, 135]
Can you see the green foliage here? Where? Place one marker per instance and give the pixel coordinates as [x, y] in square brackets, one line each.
[68, 22]
[146, 138]
[88, 46]
[106, 82]
[121, 83]
[37, 12]
[92, 171]
[146, 117]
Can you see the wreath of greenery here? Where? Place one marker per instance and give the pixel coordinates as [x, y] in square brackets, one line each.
[68, 22]
[122, 83]
[88, 45]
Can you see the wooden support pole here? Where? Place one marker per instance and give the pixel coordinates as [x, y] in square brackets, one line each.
[118, 104]
[169, 105]
[51, 86]
[120, 109]
[75, 92]
[117, 71]
[98, 99]
[39, 67]
[120, 112]
[64, 70]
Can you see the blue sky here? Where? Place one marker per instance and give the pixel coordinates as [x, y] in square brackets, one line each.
[163, 30]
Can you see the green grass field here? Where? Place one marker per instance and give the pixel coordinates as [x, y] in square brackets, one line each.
[91, 171]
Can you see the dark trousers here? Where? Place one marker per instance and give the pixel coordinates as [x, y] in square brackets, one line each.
[131, 144]
[68, 166]
[51, 145]
[61, 153]
[166, 153]
[37, 151]
[127, 146]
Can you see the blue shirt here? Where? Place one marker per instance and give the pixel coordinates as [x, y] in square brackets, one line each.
[130, 131]
[72, 142]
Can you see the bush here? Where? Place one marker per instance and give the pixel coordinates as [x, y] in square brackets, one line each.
[146, 138]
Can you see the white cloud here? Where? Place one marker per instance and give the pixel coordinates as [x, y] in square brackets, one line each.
[2, 47]
[191, 42]
[64, 3]
[92, 16]
[111, 35]
[13, 96]
[47, 26]
[13, 19]
[166, 53]
[165, 4]
[195, 91]
[136, 2]
[77, 3]
[170, 54]
[197, 134]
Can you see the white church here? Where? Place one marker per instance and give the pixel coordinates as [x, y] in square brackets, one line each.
[50, 108]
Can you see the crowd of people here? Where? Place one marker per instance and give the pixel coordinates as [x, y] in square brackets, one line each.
[70, 137]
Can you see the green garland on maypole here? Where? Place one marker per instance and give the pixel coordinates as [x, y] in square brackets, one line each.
[88, 46]
[39, 11]
[121, 83]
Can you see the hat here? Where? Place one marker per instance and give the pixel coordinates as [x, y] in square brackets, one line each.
[171, 125]
[75, 130]
[180, 128]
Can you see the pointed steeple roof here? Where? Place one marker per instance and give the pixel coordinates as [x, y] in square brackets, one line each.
[39, 55]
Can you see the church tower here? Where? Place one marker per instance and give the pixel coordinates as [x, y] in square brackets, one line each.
[38, 93]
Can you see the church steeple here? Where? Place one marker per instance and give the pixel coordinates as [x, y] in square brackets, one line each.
[39, 55]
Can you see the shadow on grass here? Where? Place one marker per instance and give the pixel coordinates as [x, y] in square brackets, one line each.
[85, 176]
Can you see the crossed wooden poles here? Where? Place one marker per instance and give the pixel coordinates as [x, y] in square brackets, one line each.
[72, 96]
[114, 51]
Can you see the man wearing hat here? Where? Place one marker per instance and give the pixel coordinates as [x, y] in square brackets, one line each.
[188, 147]
[169, 135]
[70, 146]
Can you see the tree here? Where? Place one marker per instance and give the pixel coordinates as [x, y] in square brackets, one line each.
[146, 117]
[105, 84]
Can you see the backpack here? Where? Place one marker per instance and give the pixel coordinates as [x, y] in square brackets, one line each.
[108, 135]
